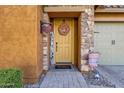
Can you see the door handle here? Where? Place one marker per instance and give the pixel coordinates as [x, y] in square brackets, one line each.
[56, 46]
[97, 32]
[113, 42]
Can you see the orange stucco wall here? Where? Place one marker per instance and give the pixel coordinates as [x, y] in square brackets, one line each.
[20, 40]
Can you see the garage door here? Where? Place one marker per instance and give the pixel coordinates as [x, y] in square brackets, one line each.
[109, 41]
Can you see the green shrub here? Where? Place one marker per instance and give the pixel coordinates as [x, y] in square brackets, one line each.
[10, 78]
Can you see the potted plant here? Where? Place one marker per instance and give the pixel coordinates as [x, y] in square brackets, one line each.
[93, 59]
[46, 27]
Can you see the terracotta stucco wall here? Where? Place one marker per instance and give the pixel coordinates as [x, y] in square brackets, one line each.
[20, 40]
[39, 41]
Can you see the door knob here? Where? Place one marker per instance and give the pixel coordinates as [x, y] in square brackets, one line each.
[97, 32]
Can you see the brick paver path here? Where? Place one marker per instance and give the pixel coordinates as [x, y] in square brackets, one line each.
[63, 78]
[60, 78]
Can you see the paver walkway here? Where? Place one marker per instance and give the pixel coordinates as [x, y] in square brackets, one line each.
[60, 78]
[63, 78]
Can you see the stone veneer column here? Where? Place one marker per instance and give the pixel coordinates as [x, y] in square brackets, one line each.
[45, 44]
[87, 25]
[45, 52]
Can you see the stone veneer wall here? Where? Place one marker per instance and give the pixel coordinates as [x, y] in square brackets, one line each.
[46, 52]
[46, 42]
[87, 25]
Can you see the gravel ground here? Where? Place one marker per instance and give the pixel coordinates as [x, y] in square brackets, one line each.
[115, 74]
[96, 80]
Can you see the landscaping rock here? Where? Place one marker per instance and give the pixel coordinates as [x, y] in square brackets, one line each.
[99, 81]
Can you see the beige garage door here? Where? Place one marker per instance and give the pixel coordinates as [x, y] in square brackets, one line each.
[109, 41]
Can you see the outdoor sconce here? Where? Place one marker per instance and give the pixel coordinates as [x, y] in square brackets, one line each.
[45, 27]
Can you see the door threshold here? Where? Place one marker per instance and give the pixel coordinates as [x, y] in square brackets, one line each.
[63, 63]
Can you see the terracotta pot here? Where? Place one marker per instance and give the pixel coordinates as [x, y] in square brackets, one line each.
[94, 55]
[46, 27]
[93, 59]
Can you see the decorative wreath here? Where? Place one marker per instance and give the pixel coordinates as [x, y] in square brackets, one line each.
[63, 28]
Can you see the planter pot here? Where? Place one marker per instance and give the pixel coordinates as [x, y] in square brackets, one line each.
[46, 27]
[94, 55]
[93, 59]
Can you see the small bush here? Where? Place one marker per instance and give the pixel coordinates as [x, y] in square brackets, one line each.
[10, 78]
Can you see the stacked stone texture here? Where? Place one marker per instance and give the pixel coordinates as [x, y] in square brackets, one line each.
[87, 25]
[45, 45]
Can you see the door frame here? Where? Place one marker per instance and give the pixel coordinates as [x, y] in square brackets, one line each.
[76, 16]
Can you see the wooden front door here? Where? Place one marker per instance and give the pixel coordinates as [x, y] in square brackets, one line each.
[64, 40]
